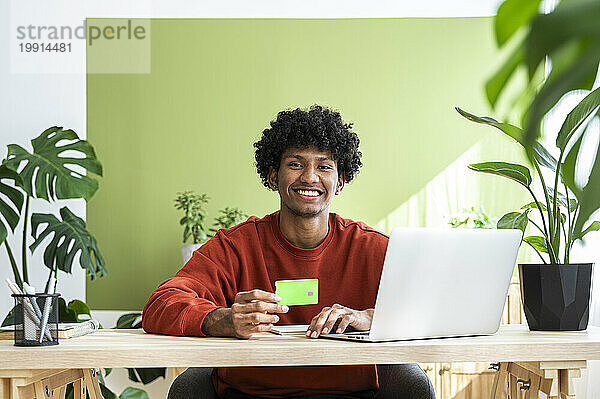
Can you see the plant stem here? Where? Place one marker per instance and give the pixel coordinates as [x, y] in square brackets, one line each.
[15, 269]
[555, 202]
[536, 225]
[568, 237]
[547, 237]
[48, 281]
[55, 271]
[24, 246]
[537, 252]
[566, 243]
[572, 223]
[551, 252]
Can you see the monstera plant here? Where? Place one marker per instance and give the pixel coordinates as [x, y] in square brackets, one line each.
[556, 293]
[55, 169]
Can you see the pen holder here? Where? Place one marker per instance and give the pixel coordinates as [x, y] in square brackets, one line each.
[30, 312]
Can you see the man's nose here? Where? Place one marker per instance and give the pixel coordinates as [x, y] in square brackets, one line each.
[309, 175]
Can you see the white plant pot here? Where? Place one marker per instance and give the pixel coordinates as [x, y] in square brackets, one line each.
[187, 250]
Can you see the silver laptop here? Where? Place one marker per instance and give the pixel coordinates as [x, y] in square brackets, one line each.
[441, 283]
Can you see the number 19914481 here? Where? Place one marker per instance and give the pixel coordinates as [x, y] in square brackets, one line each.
[45, 47]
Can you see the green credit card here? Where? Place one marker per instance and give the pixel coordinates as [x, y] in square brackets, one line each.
[298, 292]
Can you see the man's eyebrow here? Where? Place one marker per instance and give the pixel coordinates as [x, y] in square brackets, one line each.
[300, 157]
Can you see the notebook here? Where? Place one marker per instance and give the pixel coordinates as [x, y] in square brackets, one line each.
[65, 330]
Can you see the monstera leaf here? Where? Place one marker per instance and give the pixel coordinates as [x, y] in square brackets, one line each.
[49, 164]
[70, 237]
[10, 216]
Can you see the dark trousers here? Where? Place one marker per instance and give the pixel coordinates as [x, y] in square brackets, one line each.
[401, 381]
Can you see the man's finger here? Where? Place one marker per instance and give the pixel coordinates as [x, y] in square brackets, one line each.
[318, 326]
[313, 322]
[258, 318]
[259, 295]
[334, 317]
[344, 323]
[262, 328]
[260, 307]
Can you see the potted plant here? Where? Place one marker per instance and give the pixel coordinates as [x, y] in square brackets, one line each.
[47, 174]
[472, 218]
[556, 293]
[193, 206]
[228, 218]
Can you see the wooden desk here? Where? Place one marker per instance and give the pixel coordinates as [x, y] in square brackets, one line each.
[133, 348]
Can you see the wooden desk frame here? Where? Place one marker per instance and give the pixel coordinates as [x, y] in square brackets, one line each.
[544, 362]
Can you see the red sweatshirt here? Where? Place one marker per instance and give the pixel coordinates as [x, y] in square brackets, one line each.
[255, 254]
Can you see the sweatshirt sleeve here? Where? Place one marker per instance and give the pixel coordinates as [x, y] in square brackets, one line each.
[207, 282]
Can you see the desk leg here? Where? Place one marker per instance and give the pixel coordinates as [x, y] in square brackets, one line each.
[90, 376]
[562, 374]
[59, 393]
[499, 384]
[79, 390]
[555, 379]
[5, 388]
[48, 384]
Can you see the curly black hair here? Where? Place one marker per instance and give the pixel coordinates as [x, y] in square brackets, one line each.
[319, 127]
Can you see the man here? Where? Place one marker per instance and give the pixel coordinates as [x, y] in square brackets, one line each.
[226, 289]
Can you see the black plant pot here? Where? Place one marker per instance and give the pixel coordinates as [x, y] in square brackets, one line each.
[556, 297]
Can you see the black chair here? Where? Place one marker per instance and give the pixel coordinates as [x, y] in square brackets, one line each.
[396, 381]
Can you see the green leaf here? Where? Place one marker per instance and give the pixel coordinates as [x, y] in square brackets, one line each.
[541, 155]
[569, 21]
[65, 313]
[514, 220]
[80, 308]
[589, 198]
[10, 213]
[69, 237]
[562, 199]
[537, 242]
[518, 173]
[128, 321]
[133, 393]
[534, 206]
[576, 117]
[146, 375]
[9, 320]
[595, 226]
[106, 392]
[53, 179]
[569, 167]
[572, 68]
[497, 82]
[513, 14]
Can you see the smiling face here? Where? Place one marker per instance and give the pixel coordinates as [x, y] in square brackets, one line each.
[307, 180]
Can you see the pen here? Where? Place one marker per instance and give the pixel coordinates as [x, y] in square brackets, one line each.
[27, 308]
[47, 306]
[31, 291]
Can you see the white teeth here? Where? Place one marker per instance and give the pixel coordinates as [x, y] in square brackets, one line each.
[309, 193]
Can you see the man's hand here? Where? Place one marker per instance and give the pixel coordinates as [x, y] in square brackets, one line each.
[339, 317]
[250, 313]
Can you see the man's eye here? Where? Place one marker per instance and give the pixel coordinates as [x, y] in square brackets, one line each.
[294, 164]
[326, 167]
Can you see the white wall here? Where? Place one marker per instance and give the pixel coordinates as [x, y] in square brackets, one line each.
[31, 102]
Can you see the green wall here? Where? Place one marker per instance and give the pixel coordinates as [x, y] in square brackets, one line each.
[215, 85]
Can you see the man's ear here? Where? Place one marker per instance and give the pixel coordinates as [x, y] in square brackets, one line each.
[272, 179]
[340, 185]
